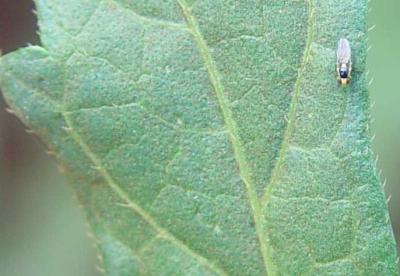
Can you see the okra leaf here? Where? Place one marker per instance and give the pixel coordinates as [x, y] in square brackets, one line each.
[210, 137]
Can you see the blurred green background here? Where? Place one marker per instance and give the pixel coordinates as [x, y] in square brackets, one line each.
[384, 69]
[42, 231]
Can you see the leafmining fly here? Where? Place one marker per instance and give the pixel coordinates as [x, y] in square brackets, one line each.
[343, 61]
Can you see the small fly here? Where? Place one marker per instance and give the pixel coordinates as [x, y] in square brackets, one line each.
[343, 61]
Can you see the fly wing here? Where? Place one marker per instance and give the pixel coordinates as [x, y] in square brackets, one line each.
[343, 51]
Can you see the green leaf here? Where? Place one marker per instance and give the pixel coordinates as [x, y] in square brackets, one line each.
[210, 137]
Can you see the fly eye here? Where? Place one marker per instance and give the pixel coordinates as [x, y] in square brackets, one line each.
[343, 73]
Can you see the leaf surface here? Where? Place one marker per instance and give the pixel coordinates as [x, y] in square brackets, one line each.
[210, 137]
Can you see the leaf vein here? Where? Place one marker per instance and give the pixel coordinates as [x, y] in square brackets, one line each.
[132, 204]
[243, 166]
[292, 110]
[158, 117]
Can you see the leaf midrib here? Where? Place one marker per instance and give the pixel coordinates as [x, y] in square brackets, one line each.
[244, 169]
